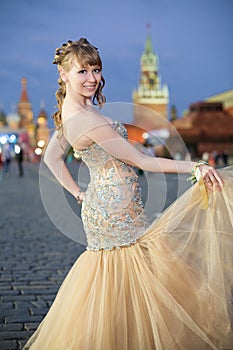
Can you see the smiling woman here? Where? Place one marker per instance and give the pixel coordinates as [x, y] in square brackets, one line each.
[164, 286]
[84, 79]
[81, 80]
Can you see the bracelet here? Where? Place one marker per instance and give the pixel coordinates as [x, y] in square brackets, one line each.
[197, 177]
[78, 197]
[194, 176]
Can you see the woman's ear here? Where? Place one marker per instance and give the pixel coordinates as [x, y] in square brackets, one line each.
[63, 75]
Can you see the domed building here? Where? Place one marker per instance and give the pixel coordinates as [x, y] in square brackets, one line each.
[19, 126]
[26, 113]
[3, 121]
[13, 119]
[42, 133]
[11, 133]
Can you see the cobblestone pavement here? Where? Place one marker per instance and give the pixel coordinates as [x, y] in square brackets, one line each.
[34, 256]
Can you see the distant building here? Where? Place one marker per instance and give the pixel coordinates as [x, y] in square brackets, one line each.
[226, 98]
[20, 127]
[207, 127]
[3, 121]
[135, 133]
[151, 98]
[11, 134]
[26, 114]
[42, 133]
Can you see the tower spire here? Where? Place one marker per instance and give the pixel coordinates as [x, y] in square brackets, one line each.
[24, 94]
[148, 46]
[150, 93]
[26, 113]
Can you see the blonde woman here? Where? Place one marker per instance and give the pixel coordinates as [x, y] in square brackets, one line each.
[163, 286]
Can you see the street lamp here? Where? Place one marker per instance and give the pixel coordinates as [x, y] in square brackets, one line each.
[41, 143]
[38, 151]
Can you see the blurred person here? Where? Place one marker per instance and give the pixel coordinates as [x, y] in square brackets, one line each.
[20, 158]
[137, 286]
[225, 157]
[1, 165]
[212, 158]
[216, 157]
[149, 150]
[6, 158]
[205, 156]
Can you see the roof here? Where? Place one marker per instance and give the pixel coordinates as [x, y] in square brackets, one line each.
[225, 97]
[207, 120]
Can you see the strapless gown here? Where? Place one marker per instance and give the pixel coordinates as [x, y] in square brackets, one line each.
[163, 286]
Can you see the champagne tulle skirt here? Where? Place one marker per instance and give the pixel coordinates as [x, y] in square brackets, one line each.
[171, 290]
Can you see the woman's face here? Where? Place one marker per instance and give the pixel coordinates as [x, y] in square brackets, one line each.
[83, 80]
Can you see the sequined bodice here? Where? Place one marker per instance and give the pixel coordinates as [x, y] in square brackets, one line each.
[112, 211]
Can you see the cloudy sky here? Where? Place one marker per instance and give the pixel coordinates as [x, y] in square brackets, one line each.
[193, 39]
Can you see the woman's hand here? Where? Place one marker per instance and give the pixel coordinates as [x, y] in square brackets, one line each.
[211, 177]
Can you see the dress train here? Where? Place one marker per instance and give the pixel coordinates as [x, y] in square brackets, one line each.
[171, 290]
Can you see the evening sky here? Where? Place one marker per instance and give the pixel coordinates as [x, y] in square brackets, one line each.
[193, 39]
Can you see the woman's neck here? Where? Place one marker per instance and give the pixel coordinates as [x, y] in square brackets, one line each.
[81, 102]
[72, 106]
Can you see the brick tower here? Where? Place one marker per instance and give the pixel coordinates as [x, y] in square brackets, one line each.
[150, 93]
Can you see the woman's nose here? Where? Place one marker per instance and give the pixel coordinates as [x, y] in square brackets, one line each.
[91, 76]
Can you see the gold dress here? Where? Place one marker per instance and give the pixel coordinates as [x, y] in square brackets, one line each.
[163, 286]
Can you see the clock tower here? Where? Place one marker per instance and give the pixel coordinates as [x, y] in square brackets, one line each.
[150, 94]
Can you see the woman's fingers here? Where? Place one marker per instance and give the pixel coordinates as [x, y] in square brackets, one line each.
[211, 178]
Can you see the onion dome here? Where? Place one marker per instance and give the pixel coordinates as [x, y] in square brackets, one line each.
[13, 120]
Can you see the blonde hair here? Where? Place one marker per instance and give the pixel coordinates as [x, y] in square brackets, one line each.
[87, 55]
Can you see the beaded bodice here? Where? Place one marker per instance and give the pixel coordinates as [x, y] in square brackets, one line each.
[112, 211]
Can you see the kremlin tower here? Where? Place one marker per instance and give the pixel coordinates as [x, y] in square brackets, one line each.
[150, 93]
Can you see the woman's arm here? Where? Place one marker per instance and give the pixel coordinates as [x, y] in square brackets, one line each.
[53, 158]
[94, 127]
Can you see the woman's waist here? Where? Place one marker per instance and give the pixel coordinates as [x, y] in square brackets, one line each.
[112, 171]
[104, 179]
[111, 239]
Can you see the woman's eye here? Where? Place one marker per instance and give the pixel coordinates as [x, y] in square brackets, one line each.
[84, 71]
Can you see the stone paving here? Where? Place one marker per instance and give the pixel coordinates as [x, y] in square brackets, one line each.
[34, 257]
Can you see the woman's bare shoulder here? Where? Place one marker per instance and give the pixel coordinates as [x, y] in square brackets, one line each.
[86, 118]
